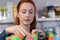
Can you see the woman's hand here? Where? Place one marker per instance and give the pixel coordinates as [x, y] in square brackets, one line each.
[39, 30]
[42, 34]
[19, 30]
[15, 30]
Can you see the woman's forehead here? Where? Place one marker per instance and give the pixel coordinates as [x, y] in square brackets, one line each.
[27, 5]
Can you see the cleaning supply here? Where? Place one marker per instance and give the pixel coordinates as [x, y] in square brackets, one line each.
[29, 38]
[38, 34]
[57, 39]
[51, 34]
[5, 13]
[35, 36]
[15, 37]
[1, 13]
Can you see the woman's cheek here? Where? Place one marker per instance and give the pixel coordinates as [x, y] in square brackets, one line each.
[32, 18]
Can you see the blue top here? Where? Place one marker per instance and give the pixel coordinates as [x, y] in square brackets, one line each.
[3, 35]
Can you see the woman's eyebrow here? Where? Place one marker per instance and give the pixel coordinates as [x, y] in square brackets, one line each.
[31, 10]
[24, 9]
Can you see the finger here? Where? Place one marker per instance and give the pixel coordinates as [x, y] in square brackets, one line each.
[23, 30]
[41, 31]
[34, 31]
[26, 33]
[16, 31]
[20, 31]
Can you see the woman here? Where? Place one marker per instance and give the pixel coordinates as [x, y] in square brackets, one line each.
[25, 22]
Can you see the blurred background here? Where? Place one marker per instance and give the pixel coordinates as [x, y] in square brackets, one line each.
[48, 14]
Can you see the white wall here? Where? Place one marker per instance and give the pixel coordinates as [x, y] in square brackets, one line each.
[39, 3]
[42, 3]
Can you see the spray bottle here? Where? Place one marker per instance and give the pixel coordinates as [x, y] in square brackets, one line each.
[15, 37]
[51, 34]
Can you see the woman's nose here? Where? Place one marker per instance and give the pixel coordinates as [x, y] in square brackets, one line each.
[27, 14]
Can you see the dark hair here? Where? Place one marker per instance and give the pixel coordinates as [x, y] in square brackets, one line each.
[17, 22]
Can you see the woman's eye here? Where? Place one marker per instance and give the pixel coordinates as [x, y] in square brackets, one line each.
[24, 12]
[30, 12]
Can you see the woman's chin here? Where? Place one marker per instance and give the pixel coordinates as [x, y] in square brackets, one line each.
[27, 23]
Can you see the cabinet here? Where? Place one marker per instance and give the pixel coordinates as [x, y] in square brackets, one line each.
[53, 21]
[46, 23]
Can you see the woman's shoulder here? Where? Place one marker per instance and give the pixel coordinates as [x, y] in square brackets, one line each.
[11, 27]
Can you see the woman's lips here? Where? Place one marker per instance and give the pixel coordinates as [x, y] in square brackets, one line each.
[26, 19]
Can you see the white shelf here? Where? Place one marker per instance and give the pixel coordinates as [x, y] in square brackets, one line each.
[48, 19]
[40, 19]
[6, 21]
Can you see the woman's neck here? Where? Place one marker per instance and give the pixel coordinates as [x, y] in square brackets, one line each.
[25, 27]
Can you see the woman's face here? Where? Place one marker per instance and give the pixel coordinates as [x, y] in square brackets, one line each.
[26, 13]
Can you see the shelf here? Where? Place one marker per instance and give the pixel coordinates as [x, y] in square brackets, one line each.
[40, 19]
[48, 19]
[6, 21]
